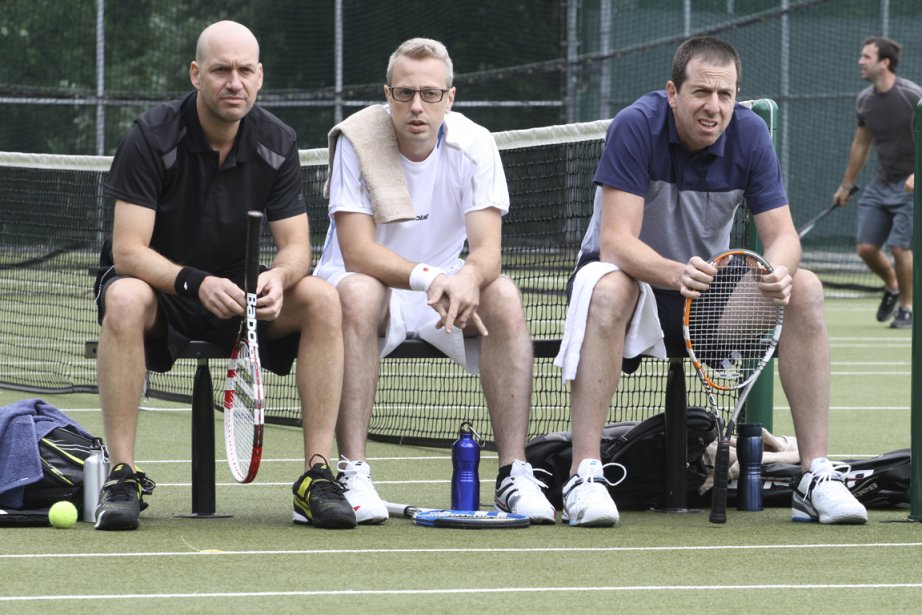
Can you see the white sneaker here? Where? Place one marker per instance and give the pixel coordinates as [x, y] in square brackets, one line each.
[822, 496]
[521, 493]
[355, 478]
[586, 501]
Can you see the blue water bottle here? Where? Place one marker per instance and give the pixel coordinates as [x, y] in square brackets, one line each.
[749, 454]
[465, 479]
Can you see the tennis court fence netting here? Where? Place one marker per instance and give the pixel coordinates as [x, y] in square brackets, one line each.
[55, 218]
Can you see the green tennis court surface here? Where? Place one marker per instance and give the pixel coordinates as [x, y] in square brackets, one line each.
[259, 560]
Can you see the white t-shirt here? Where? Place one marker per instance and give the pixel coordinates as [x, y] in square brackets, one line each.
[463, 173]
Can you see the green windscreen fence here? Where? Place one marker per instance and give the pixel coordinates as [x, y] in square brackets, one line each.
[78, 72]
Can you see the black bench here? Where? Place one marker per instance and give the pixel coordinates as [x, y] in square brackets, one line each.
[203, 445]
[203, 441]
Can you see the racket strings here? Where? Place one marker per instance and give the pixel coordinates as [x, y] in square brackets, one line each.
[244, 409]
[732, 325]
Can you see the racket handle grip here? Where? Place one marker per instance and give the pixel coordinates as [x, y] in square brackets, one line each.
[405, 511]
[719, 493]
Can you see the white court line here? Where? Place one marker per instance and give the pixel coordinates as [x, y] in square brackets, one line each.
[301, 459]
[275, 552]
[871, 363]
[836, 373]
[288, 484]
[468, 590]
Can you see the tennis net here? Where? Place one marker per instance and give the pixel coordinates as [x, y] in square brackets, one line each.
[55, 219]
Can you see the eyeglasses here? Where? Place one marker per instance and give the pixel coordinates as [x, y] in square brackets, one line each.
[429, 95]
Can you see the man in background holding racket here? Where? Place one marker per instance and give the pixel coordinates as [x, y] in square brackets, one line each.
[675, 167]
[886, 111]
[183, 180]
[405, 278]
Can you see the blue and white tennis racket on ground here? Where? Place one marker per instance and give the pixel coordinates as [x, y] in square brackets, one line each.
[458, 519]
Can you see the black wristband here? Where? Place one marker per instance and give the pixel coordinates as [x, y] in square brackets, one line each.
[188, 281]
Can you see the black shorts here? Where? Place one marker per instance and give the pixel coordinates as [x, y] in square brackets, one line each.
[187, 319]
[670, 305]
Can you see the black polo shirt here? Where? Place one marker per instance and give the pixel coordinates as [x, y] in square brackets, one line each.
[165, 164]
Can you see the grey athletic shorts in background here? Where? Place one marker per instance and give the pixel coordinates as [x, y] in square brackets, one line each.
[885, 210]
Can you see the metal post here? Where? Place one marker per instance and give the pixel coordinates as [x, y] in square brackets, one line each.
[571, 73]
[785, 153]
[885, 17]
[915, 480]
[100, 77]
[605, 93]
[338, 62]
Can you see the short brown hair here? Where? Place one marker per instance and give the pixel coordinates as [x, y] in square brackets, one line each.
[887, 48]
[711, 50]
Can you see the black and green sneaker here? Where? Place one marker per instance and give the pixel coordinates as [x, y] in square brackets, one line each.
[121, 500]
[319, 500]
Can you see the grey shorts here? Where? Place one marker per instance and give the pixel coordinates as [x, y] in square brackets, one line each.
[885, 211]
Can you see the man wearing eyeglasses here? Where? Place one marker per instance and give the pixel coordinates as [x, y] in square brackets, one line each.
[406, 279]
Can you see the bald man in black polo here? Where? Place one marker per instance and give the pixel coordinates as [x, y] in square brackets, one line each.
[183, 180]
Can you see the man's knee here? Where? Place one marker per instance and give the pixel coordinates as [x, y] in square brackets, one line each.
[613, 300]
[316, 300]
[867, 250]
[501, 304]
[129, 303]
[807, 296]
[363, 300]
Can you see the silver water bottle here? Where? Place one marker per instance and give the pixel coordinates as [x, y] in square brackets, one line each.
[95, 472]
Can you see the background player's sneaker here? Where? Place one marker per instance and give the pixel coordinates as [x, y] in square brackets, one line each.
[319, 500]
[887, 305]
[520, 493]
[355, 479]
[902, 320]
[821, 495]
[586, 501]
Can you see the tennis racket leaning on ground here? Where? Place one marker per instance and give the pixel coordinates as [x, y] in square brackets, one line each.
[244, 398]
[457, 519]
[731, 331]
[806, 228]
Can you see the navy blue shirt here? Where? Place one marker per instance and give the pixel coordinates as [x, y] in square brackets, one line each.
[689, 198]
[166, 164]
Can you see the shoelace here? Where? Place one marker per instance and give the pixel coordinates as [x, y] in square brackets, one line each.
[120, 490]
[352, 476]
[343, 464]
[147, 485]
[601, 478]
[324, 486]
[532, 479]
[837, 473]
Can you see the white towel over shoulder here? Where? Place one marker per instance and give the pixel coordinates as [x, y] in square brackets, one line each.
[644, 336]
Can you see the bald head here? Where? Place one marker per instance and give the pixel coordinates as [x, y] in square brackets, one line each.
[225, 34]
[227, 74]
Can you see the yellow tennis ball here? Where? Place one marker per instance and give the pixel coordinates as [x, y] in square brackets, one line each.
[62, 515]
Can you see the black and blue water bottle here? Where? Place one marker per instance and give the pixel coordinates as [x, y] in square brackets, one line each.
[749, 454]
[465, 460]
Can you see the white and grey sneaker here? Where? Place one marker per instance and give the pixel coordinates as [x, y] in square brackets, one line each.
[355, 479]
[586, 501]
[521, 493]
[821, 495]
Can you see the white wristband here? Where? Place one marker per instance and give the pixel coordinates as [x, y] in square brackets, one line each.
[422, 276]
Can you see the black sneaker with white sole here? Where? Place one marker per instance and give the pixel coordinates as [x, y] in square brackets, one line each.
[319, 500]
[121, 499]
